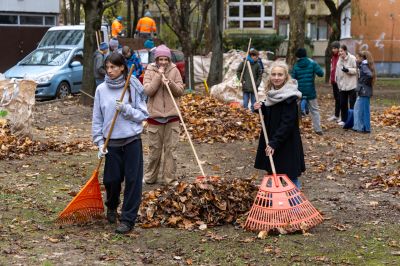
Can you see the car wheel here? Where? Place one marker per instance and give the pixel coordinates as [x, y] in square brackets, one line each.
[63, 90]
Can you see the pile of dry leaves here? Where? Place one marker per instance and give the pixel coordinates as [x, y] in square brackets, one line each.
[210, 120]
[214, 201]
[389, 117]
[12, 147]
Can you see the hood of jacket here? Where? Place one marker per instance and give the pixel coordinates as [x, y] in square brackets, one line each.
[304, 62]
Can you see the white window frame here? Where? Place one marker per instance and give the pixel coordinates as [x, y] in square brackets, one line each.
[308, 31]
[262, 18]
[345, 23]
[18, 24]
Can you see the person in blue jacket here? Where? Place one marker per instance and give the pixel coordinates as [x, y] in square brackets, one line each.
[304, 71]
[132, 59]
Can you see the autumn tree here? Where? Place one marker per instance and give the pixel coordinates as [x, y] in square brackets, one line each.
[179, 20]
[297, 10]
[94, 10]
[334, 23]
[216, 25]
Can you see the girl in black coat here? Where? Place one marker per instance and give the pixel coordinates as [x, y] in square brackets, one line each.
[281, 120]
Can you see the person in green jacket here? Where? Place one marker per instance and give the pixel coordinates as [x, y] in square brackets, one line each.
[247, 87]
[304, 71]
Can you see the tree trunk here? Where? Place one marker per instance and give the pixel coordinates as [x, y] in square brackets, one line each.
[143, 8]
[297, 29]
[64, 11]
[128, 18]
[77, 12]
[215, 73]
[71, 11]
[334, 23]
[135, 15]
[92, 23]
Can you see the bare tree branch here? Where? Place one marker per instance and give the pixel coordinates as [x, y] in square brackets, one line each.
[107, 5]
[204, 12]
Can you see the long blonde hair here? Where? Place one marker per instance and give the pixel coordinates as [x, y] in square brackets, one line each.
[280, 64]
[366, 55]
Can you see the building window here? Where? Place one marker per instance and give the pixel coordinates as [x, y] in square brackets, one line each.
[49, 20]
[250, 14]
[31, 20]
[284, 28]
[345, 21]
[317, 30]
[8, 19]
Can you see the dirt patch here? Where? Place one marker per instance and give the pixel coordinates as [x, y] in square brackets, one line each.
[361, 226]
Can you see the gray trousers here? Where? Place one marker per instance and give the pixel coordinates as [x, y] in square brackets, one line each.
[314, 111]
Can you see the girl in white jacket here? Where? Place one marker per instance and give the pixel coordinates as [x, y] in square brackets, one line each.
[346, 79]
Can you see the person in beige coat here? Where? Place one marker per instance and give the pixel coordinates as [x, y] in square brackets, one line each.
[163, 122]
[346, 79]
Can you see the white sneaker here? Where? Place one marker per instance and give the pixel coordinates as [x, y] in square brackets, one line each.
[339, 120]
[333, 118]
[341, 123]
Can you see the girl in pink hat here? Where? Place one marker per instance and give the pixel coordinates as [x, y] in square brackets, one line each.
[163, 121]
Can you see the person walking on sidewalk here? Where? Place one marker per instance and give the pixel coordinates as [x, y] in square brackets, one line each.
[335, 90]
[280, 115]
[366, 81]
[124, 154]
[163, 123]
[304, 71]
[247, 87]
[346, 79]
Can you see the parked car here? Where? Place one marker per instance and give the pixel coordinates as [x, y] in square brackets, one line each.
[69, 35]
[57, 70]
[177, 58]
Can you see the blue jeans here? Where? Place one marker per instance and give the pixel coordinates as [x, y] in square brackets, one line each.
[362, 115]
[304, 107]
[296, 181]
[246, 97]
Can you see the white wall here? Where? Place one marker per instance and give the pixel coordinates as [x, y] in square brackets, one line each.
[40, 6]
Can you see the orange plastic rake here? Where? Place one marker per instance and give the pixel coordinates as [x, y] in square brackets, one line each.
[88, 203]
[279, 204]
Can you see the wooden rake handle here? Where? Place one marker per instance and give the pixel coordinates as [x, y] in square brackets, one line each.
[261, 117]
[116, 114]
[184, 126]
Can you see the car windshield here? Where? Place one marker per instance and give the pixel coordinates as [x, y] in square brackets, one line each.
[47, 57]
[62, 37]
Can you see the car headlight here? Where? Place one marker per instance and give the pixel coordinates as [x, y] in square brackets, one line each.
[45, 78]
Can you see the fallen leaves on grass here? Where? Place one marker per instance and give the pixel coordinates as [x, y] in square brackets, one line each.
[12, 147]
[214, 201]
[209, 120]
[389, 117]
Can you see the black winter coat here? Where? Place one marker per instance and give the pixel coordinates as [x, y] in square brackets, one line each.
[282, 123]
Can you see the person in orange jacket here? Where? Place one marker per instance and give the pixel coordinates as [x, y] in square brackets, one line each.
[146, 26]
[117, 27]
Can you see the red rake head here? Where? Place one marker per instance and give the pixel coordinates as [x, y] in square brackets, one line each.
[85, 206]
[279, 204]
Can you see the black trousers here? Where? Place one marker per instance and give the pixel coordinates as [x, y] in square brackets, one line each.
[124, 163]
[347, 100]
[336, 96]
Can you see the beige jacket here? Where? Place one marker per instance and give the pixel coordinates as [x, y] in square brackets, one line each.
[160, 103]
[346, 81]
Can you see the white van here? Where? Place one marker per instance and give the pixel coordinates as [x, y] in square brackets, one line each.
[69, 35]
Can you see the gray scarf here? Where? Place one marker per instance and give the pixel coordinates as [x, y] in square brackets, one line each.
[276, 96]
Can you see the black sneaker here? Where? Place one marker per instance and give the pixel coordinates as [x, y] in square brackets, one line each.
[319, 133]
[123, 228]
[111, 216]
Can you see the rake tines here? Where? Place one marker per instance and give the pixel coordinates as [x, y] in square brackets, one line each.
[280, 205]
[86, 205]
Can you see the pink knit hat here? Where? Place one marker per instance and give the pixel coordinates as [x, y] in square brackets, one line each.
[162, 50]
